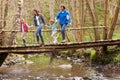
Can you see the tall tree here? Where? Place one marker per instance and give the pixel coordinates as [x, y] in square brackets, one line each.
[51, 5]
[114, 20]
[105, 32]
[105, 19]
[80, 6]
[94, 21]
[1, 7]
[3, 55]
[16, 22]
[4, 20]
[73, 6]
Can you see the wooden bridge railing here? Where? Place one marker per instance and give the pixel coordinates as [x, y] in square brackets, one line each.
[49, 30]
[70, 34]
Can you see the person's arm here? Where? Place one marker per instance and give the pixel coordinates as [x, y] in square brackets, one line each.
[48, 27]
[68, 17]
[43, 20]
[28, 26]
[33, 23]
[56, 23]
[57, 17]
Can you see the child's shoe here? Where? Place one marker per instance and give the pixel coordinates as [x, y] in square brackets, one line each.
[24, 42]
[55, 42]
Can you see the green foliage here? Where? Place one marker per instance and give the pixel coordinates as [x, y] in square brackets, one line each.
[99, 11]
[116, 58]
[92, 55]
[109, 58]
[116, 34]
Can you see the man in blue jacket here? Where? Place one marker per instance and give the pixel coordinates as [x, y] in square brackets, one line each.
[64, 18]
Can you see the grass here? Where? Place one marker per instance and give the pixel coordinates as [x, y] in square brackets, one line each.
[40, 59]
[46, 60]
[116, 58]
[92, 55]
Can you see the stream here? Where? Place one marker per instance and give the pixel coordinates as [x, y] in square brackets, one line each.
[65, 71]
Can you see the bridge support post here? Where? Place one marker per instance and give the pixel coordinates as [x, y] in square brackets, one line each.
[53, 55]
[104, 50]
[2, 55]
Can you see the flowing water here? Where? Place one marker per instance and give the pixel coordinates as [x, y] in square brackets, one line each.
[64, 71]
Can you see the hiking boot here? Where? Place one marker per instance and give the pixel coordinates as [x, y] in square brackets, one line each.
[63, 41]
[37, 37]
[42, 45]
[24, 44]
[55, 42]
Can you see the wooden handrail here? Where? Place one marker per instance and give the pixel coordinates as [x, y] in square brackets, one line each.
[69, 29]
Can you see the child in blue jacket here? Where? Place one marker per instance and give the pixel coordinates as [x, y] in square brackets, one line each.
[54, 28]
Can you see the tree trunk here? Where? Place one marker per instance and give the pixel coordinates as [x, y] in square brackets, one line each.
[80, 18]
[3, 55]
[113, 23]
[51, 5]
[72, 3]
[105, 19]
[4, 21]
[94, 21]
[95, 24]
[1, 8]
[70, 9]
[105, 24]
[16, 22]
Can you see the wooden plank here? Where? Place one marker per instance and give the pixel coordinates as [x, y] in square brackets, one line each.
[57, 47]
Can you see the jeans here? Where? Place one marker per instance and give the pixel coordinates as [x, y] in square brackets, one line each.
[39, 33]
[63, 27]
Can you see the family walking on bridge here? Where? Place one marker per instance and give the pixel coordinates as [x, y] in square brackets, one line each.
[63, 16]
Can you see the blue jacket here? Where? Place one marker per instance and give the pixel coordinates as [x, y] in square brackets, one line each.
[54, 26]
[64, 17]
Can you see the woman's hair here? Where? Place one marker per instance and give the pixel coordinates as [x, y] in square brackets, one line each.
[62, 5]
[36, 11]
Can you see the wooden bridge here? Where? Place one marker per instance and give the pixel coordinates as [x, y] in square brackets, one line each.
[76, 34]
[57, 47]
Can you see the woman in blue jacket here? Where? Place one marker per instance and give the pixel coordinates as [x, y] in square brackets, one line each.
[64, 18]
